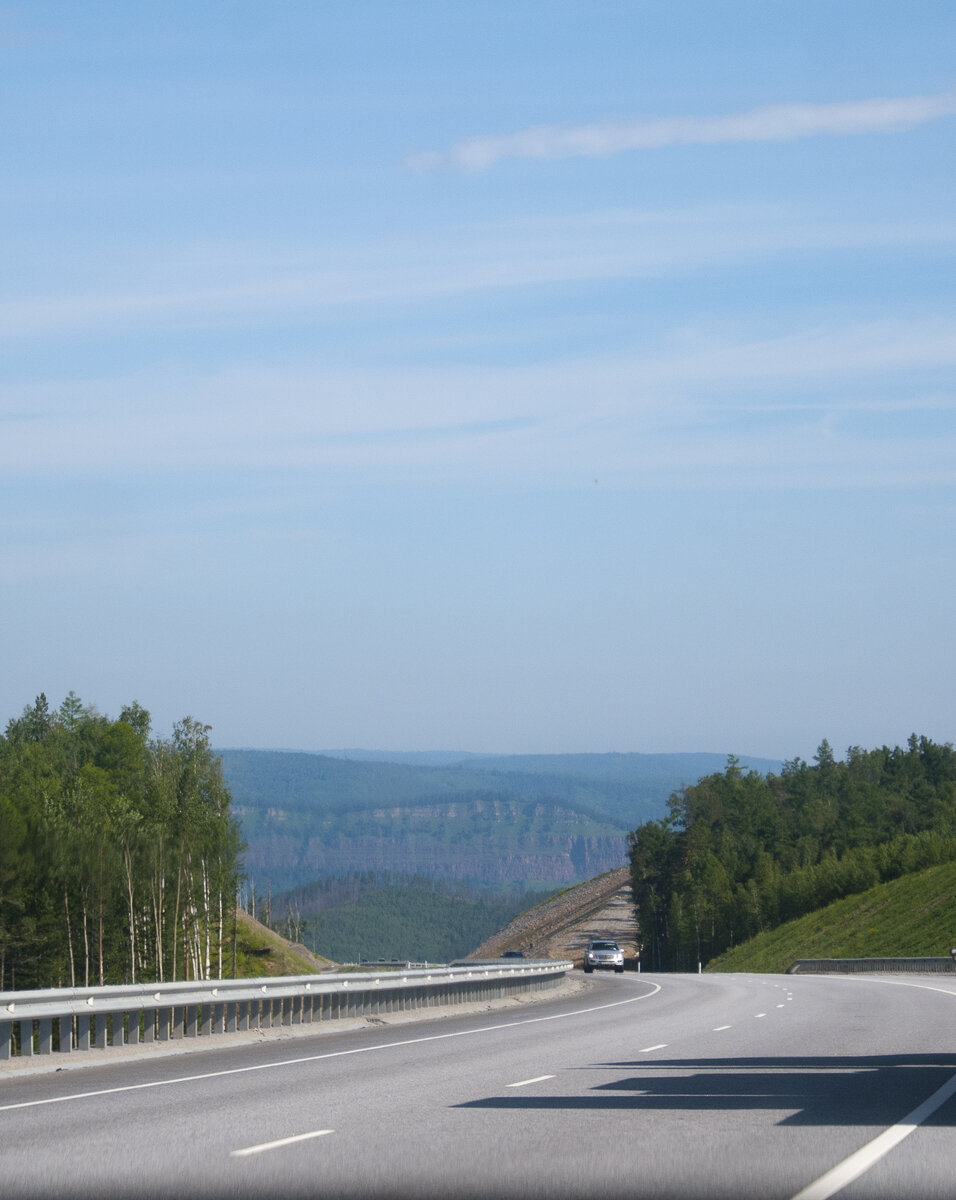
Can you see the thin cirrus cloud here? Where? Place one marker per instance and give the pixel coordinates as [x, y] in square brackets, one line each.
[775, 123]
[449, 421]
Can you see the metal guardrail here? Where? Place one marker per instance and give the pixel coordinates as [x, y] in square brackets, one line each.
[61, 1020]
[855, 966]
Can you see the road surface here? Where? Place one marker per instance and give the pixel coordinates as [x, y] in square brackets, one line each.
[668, 1086]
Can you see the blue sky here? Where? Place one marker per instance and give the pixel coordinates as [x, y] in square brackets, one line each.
[516, 377]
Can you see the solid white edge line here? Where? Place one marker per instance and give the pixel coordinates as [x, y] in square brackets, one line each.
[286, 1141]
[310, 1058]
[524, 1082]
[853, 1167]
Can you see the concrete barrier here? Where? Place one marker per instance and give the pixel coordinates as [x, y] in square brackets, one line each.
[61, 1020]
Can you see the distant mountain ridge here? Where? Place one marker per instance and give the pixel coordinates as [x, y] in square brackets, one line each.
[599, 764]
[485, 821]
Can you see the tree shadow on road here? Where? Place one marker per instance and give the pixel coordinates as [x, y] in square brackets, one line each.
[853, 1090]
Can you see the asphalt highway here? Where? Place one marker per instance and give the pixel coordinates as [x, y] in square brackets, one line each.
[669, 1086]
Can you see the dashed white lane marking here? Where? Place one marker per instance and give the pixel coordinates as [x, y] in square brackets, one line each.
[720, 1028]
[525, 1082]
[648, 1049]
[286, 1141]
[853, 1167]
[310, 1058]
[781, 1006]
[756, 1015]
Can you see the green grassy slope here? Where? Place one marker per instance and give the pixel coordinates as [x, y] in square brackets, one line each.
[910, 917]
[263, 952]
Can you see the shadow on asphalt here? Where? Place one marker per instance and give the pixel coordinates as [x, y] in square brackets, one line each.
[858, 1090]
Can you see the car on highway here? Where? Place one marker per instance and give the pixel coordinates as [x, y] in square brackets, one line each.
[603, 954]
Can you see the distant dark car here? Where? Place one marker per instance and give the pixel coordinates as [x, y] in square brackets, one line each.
[513, 954]
[603, 954]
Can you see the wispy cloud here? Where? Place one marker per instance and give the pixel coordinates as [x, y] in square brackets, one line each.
[776, 123]
[702, 410]
[169, 290]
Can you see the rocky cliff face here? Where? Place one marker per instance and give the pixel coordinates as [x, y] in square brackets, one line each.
[288, 863]
[478, 844]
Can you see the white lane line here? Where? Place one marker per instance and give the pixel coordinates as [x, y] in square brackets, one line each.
[720, 1028]
[853, 1167]
[286, 1141]
[781, 1006]
[757, 1015]
[525, 1082]
[311, 1058]
[648, 1049]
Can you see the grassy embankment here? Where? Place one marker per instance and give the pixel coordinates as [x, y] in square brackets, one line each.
[260, 952]
[914, 916]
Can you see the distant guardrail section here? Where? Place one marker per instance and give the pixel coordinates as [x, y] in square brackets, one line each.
[853, 966]
[61, 1020]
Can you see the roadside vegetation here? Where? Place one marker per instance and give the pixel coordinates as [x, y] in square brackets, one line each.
[119, 857]
[740, 854]
[910, 917]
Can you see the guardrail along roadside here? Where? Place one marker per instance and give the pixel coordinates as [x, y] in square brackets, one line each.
[857, 966]
[61, 1020]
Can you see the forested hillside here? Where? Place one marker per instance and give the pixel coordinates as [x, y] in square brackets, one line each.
[369, 917]
[119, 856]
[740, 853]
[526, 820]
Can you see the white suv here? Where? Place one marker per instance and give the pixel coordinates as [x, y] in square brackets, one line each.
[603, 955]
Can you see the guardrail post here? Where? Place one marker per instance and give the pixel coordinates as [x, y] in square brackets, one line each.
[45, 1035]
[26, 1038]
[6, 1039]
[101, 1019]
[66, 1034]
[192, 1020]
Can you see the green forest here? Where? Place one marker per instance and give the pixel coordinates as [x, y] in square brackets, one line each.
[119, 858]
[740, 853]
[393, 917]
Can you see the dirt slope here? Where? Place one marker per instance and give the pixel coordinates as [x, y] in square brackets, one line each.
[560, 928]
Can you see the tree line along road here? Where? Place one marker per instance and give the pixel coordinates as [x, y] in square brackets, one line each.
[660, 1086]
